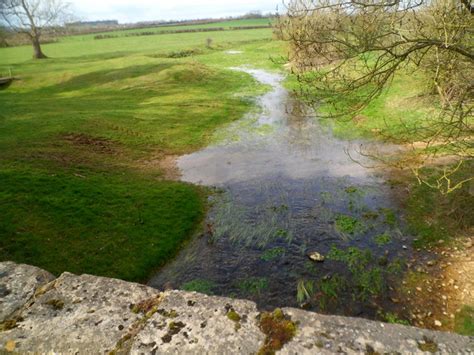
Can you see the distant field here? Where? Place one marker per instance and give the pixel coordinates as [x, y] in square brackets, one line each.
[83, 46]
[82, 135]
[158, 29]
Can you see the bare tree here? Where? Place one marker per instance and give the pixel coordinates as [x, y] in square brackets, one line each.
[32, 17]
[346, 52]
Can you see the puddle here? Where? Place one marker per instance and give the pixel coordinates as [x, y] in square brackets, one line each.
[286, 188]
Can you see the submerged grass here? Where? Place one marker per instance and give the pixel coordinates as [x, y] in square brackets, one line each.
[253, 285]
[199, 285]
[349, 225]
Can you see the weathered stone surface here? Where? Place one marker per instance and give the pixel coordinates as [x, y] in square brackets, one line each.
[18, 284]
[95, 315]
[209, 325]
[77, 314]
[332, 334]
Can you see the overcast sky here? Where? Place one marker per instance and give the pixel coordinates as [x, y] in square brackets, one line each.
[148, 10]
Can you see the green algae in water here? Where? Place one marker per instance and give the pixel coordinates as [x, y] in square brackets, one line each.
[253, 285]
[349, 225]
[390, 216]
[272, 254]
[383, 239]
[199, 285]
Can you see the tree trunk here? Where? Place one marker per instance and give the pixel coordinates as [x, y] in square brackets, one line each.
[38, 53]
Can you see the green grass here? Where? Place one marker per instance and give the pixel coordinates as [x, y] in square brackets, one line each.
[394, 319]
[464, 322]
[105, 224]
[87, 48]
[401, 106]
[433, 217]
[81, 134]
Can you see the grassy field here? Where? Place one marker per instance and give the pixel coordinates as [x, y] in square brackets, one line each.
[87, 48]
[224, 24]
[82, 135]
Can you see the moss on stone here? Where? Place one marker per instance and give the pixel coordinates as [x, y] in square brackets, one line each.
[168, 314]
[146, 306]
[8, 325]
[279, 330]
[56, 304]
[428, 345]
[233, 316]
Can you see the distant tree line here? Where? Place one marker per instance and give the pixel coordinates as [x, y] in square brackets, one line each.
[190, 30]
[103, 23]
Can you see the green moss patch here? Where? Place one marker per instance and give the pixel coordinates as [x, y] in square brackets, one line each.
[279, 330]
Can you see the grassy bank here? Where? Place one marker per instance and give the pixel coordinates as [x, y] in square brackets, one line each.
[82, 136]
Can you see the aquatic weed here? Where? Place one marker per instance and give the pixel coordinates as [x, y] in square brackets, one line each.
[348, 224]
[330, 289]
[390, 216]
[383, 239]
[304, 291]
[199, 285]
[273, 253]
[253, 285]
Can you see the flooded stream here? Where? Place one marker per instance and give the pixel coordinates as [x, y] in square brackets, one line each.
[287, 190]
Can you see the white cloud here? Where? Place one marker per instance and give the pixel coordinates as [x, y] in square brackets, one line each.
[149, 10]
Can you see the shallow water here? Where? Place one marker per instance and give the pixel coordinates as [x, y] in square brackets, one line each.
[285, 187]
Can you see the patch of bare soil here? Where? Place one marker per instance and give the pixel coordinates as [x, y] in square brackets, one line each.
[440, 279]
[165, 163]
[96, 144]
[439, 285]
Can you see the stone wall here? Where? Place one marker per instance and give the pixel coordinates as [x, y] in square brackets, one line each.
[87, 315]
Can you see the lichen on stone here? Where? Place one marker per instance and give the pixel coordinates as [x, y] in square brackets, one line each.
[10, 324]
[167, 314]
[146, 306]
[56, 304]
[233, 316]
[173, 329]
[428, 345]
